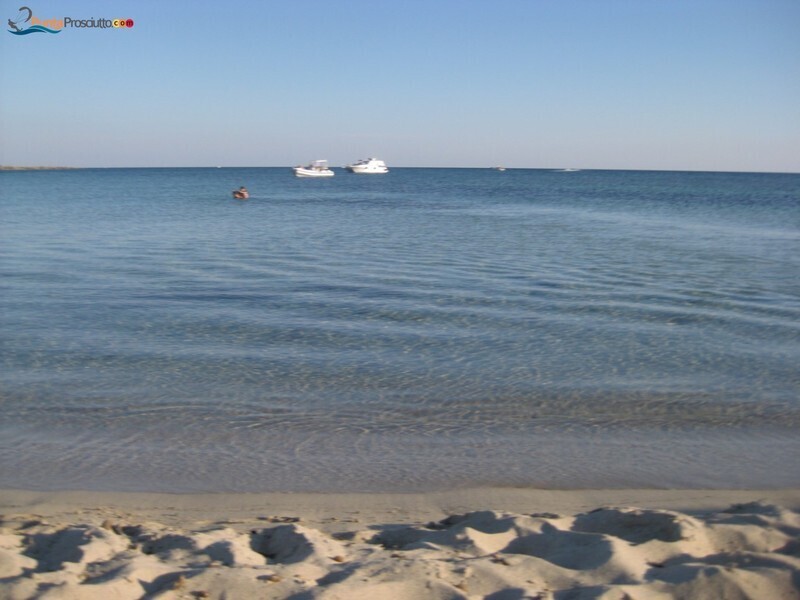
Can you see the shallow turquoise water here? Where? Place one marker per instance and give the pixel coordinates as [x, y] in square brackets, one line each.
[427, 328]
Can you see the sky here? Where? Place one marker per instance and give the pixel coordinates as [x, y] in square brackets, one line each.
[702, 85]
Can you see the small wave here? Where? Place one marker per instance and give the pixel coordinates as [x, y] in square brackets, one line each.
[35, 29]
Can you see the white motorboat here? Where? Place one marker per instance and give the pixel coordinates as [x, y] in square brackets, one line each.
[368, 165]
[319, 168]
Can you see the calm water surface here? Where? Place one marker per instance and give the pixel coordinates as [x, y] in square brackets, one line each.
[425, 329]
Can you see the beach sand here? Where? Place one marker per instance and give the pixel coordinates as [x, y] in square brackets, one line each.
[492, 544]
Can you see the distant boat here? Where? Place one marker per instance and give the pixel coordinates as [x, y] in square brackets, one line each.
[319, 168]
[567, 170]
[499, 168]
[368, 165]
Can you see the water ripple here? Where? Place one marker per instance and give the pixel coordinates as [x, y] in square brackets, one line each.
[432, 326]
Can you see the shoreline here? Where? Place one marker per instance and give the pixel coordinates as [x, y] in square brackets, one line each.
[184, 509]
[462, 544]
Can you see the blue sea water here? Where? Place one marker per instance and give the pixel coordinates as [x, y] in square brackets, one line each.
[424, 329]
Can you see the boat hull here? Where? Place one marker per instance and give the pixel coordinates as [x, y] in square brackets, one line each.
[302, 172]
[367, 170]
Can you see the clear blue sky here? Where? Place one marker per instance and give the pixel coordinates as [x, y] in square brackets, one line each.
[618, 84]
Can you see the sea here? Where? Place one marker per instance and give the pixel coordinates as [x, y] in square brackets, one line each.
[421, 330]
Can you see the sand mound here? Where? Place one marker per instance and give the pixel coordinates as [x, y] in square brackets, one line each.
[748, 551]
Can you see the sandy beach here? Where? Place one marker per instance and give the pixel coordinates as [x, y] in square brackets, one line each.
[466, 544]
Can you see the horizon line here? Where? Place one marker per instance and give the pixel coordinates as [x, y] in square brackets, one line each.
[8, 168]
